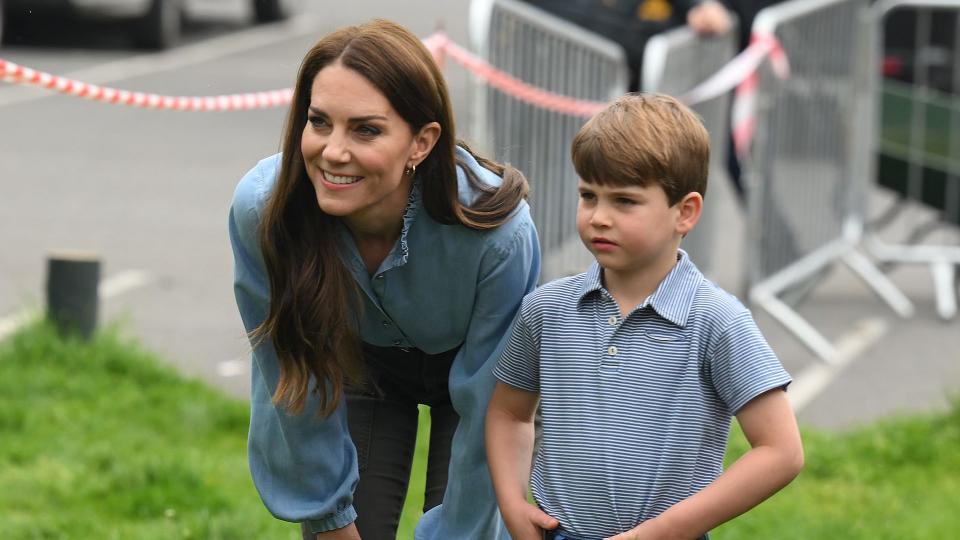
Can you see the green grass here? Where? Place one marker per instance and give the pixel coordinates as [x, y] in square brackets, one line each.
[895, 479]
[413, 505]
[104, 441]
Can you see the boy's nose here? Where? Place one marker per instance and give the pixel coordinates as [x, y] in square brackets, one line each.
[599, 218]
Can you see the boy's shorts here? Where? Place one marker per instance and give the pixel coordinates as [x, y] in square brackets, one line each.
[553, 535]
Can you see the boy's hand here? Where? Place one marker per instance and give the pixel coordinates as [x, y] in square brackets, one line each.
[527, 522]
[648, 530]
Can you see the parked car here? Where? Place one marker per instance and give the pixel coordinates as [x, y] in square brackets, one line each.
[153, 24]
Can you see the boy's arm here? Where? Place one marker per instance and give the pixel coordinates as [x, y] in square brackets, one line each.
[775, 458]
[509, 434]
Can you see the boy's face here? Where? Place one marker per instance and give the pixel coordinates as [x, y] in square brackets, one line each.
[630, 229]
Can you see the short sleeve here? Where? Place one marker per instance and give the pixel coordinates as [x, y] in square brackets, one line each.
[519, 364]
[742, 365]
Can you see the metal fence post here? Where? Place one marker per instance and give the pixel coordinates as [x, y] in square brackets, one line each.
[72, 292]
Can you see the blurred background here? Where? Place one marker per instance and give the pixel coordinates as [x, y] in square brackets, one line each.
[833, 206]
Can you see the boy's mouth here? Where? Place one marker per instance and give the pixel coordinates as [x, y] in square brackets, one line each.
[602, 243]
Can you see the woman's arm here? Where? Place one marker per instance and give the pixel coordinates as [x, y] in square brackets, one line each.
[304, 467]
[774, 459]
[510, 437]
[509, 270]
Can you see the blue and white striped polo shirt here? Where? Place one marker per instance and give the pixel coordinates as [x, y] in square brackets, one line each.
[636, 410]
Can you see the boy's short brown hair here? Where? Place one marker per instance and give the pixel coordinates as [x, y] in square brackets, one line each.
[641, 139]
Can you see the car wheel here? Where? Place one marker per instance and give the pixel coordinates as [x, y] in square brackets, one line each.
[17, 24]
[274, 10]
[7, 18]
[3, 23]
[160, 27]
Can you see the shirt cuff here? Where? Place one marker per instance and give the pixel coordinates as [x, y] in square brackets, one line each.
[335, 521]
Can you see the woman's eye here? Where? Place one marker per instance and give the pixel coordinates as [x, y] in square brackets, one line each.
[316, 121]
[368, 131]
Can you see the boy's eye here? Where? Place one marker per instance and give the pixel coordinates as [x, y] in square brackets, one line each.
[587, 196]
[625, 201]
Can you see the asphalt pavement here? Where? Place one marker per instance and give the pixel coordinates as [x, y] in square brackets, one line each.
[149, 192]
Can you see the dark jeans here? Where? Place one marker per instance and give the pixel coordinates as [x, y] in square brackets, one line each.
[383, 425]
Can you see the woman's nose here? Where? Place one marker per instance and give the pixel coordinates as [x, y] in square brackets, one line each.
[335, 149]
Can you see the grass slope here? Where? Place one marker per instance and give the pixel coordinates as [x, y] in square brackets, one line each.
[104, 441]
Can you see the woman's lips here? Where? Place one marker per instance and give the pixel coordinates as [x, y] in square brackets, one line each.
[338, 181]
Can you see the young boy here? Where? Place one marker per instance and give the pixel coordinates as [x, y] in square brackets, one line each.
[639, 363]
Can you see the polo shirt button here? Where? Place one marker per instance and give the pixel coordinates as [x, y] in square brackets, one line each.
[385, 323]
[379, 276]
[612, 350]
[612, 320]
[397, 342]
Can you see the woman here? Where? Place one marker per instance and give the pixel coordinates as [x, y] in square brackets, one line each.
[378, 265]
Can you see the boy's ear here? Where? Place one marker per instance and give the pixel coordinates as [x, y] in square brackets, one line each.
[690, 206]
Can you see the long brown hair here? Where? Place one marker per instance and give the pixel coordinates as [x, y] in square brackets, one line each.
[313, 320]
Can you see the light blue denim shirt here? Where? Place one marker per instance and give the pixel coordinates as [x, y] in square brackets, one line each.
[441, 286]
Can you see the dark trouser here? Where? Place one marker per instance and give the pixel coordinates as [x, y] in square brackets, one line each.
[617, 21]
[383, 424]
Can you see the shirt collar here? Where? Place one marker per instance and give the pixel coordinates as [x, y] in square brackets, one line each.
[674, 296]
[672, 299]
[591, 281]
[409, 213]
[401, 252]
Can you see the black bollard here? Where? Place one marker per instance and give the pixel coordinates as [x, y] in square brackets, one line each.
[72, 296]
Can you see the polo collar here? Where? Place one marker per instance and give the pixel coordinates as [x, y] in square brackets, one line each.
[672, 299]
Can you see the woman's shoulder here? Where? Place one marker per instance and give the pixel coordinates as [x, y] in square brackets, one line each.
[467, 192]
[518, 224]
[253, 188]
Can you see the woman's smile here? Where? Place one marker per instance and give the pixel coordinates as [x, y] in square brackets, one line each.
[338, 180]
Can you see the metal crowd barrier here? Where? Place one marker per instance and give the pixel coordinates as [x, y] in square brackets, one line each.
[806, 168]
[553, 54]
[673, 63]
[917, 142]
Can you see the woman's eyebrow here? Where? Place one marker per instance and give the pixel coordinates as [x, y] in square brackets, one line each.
[355, 119]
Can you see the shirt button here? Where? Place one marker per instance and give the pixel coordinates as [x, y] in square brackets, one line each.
[612, 320]
[397, 342]
[612, 351]
[385, 323]
[379, 276]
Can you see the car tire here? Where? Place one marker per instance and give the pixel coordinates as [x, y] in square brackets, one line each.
[3, 23]
[17, 24]
[160, 28]
[273, 10]
[7, 18]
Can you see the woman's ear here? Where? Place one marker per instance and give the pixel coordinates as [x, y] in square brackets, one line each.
[424, 141]
[690, 207]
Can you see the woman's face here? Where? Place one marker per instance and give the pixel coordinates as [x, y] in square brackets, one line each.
[356, 147]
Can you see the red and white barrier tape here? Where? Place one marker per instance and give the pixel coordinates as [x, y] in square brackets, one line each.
[514, 87]
[743, 114]
[741, 70]
[18, 74]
